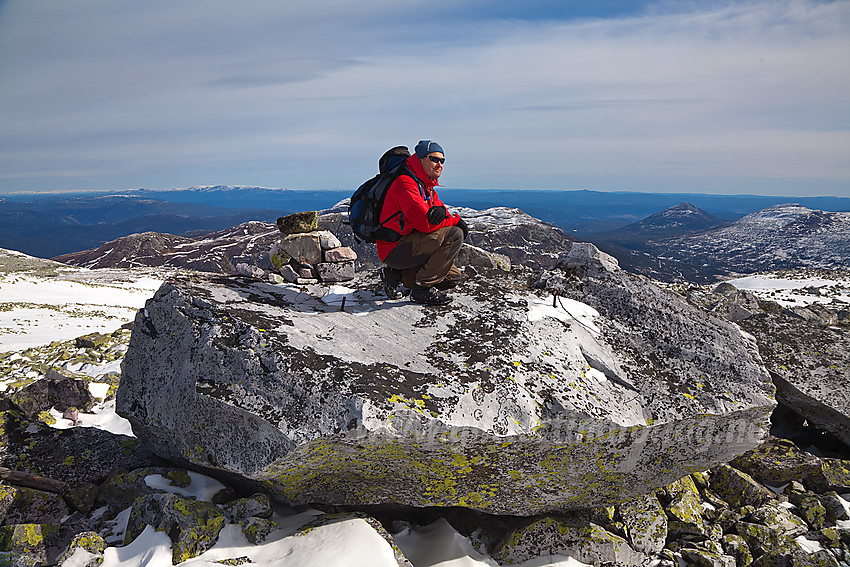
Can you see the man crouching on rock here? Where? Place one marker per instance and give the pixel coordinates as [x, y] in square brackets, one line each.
[423, 260]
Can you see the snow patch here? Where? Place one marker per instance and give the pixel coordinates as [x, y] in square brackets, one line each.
[808, 545]
[790, 291]
[202, 488]
[98, 389]
[336, 544]
[36, 310]
[150, 549]
[564, 309]
[102, 417]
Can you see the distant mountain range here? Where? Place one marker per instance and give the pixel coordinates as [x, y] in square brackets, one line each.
[684, 243]
[54, 224]
[779, 237]
[680, 244]
[510, 232]
[214, 228]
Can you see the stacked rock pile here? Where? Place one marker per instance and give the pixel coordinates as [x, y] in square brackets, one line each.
[307, 255]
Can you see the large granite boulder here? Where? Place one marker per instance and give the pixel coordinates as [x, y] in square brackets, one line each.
[808, 359]
[511, 400]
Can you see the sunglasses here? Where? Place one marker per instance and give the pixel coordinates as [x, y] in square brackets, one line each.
[436, 159]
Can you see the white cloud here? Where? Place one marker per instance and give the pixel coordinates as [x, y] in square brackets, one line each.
[732, 96]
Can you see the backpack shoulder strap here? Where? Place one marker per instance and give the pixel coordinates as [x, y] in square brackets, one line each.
[425, 194]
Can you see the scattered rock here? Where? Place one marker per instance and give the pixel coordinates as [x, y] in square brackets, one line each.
[77, 456]
[780, 520]
[810, 507]
[121, 489]
[737, 547]
[480, 258]
[832, 474]
[684, 509]
[579, 539]
[835, 510]
[734, 304]
[646, 523]
[777, 461]
[761, 539]
[706, 558]
[20, 505]
[85, 550]
[31, 544]
[809, 364]
[737, 488]
[250, 271]
[54, 390]
[289, 274]
[192, 526]
[336, 272]
[298, 222]
[256, 506]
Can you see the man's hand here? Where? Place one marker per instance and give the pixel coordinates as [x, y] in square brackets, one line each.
[461, 224]
[437, 214]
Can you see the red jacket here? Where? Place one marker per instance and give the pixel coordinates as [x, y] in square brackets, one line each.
[405, 195]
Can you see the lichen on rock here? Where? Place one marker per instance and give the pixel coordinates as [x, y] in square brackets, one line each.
[192, 526]
[512, 400]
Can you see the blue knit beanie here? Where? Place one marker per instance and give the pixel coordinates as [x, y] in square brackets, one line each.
[425, 147]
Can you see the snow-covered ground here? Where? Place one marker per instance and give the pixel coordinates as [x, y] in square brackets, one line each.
[798, 288]
[35, 311]
[42, 302]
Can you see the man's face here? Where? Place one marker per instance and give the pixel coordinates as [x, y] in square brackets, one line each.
[433, 167]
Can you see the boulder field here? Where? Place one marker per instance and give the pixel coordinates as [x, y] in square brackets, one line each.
[575, 387]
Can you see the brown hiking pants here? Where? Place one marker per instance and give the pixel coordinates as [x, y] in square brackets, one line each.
[427, 258]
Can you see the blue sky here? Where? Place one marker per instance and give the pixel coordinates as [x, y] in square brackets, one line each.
[712, 97]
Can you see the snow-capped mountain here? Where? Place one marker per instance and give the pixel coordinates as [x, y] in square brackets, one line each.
[214, 252]
[630, 243]
[681, 219]
[779, 237]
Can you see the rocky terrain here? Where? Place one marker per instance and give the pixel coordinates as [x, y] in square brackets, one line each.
[508, 402]
[679, 244]
[509, 232]
[410, 459]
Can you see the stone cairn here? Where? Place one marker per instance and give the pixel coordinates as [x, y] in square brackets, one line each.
[306, 255]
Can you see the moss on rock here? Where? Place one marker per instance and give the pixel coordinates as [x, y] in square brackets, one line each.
[777, 460]
[31, 540]
[192, 526]
[684, 508]
[89, 542]
[645, 523]
[580, 539]
[738, 488]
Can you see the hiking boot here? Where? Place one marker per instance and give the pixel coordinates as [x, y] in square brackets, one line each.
[391, 278]
[452, 279]
[449, 283]
[429, 296]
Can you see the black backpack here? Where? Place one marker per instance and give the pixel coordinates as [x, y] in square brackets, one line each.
[364, 208]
